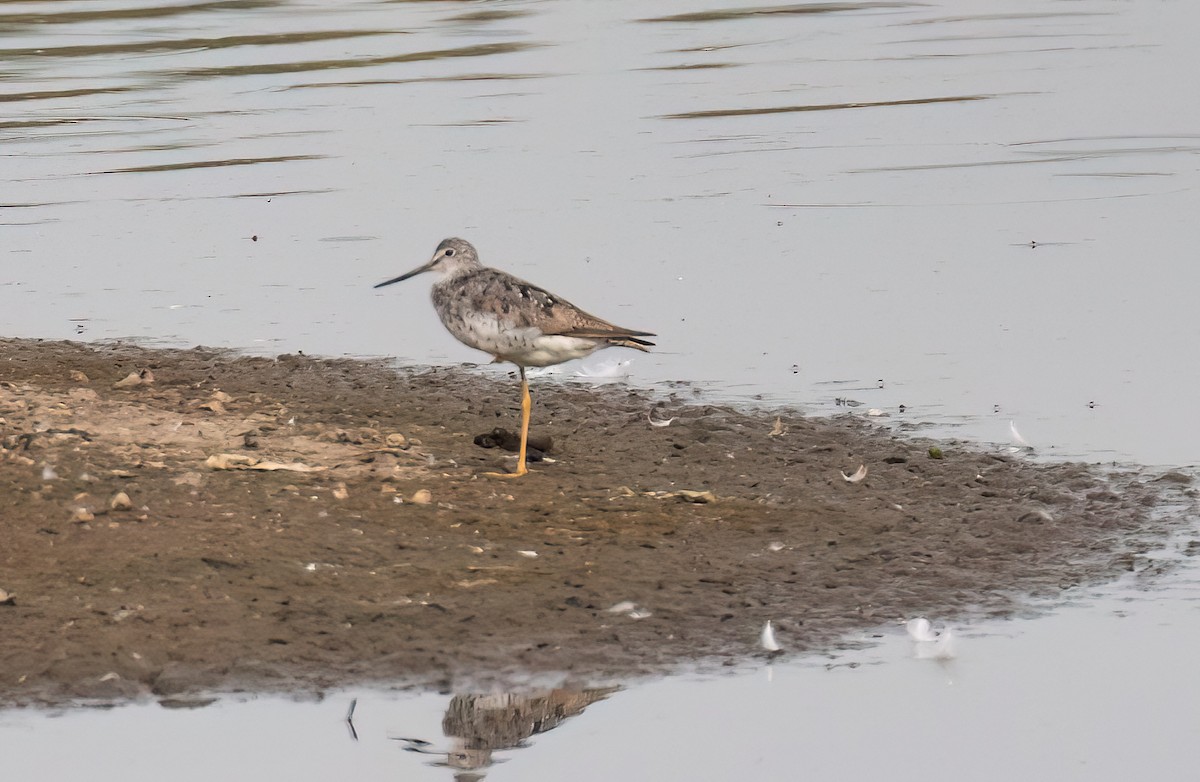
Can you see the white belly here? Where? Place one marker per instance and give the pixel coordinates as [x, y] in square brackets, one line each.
[527, 347]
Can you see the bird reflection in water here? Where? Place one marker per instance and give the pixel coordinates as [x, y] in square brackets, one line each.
[482, 724]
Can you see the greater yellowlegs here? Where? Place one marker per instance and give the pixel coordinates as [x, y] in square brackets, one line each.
[513, 320]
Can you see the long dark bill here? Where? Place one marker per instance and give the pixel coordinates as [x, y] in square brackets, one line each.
[404, 277]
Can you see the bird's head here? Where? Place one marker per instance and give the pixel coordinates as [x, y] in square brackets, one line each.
[453, 256]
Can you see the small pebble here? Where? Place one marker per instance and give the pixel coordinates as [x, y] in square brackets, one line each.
[422, 497]
[120, 501]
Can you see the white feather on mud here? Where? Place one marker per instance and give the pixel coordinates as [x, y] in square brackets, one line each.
[767, 638]
[931, 643]
[859, 474]
[629, 609]
[659, 424]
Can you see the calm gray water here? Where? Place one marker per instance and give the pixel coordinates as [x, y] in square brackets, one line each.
[800, 204]
[985, 212]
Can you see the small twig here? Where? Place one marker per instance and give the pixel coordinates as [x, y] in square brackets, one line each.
[350, 719]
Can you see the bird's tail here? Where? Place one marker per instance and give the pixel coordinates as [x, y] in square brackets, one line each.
[626, 341]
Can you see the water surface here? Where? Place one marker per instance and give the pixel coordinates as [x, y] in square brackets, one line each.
[988, 209]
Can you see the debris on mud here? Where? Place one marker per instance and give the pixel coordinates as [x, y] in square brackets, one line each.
[153, 555]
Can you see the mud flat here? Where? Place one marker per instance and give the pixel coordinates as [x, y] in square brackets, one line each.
[182, 521]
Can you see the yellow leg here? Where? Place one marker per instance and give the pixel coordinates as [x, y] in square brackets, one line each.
[526, 410]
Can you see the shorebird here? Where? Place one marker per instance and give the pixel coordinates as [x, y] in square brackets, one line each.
[513, 320]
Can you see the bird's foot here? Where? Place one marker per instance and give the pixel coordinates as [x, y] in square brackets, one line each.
[523, 471]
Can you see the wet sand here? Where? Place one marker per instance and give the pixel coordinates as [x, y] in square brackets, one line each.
[297, 523]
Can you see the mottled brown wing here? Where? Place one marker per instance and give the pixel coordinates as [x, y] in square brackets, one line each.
[526, 305]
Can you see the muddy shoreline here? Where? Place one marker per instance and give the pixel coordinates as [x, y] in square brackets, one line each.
[182, 521]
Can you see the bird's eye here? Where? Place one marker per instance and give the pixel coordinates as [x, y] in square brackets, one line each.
[449, 251]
